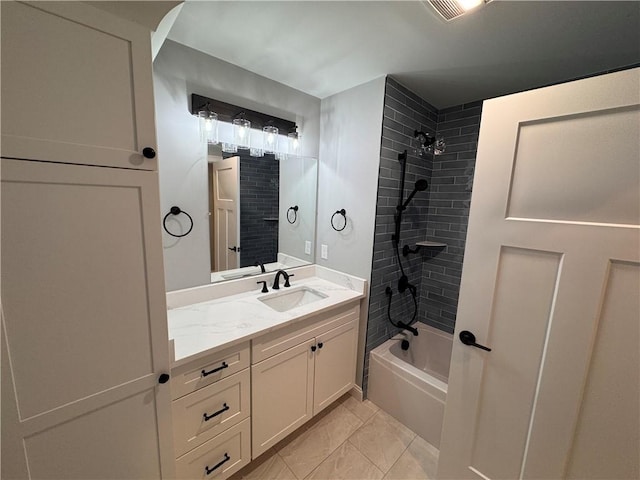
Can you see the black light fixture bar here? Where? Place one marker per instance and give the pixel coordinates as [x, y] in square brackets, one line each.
[227, 112]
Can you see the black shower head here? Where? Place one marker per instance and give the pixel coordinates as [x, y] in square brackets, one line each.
[421, 186]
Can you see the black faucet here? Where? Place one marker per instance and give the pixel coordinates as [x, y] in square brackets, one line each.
[261, 265]
[276, 281]
[408, 327]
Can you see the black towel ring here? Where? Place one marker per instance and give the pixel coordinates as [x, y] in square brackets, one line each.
[176, 211]
[295, 214]
[342, 212]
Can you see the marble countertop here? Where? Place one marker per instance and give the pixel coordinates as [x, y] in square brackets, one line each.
[199, 329]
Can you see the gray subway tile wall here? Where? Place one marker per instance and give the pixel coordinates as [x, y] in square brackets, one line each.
[449, 201]
[404, 112]
[259, 199]
[438, 214]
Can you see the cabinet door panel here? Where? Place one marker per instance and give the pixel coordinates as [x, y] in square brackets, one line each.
[335, 364]
[83, 300]
[117, 441]
[76, 86]
[282, 395]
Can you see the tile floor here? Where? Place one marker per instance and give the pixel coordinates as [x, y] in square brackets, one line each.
[349, 440]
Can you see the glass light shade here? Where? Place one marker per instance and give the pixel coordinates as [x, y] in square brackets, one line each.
[294, 143]
[242, 133]
[270, 139]
[229, 148]
[208, 122]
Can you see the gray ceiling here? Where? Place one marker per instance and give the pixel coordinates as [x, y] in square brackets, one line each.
[322, 48]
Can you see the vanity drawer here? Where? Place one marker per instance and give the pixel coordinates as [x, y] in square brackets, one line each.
[200, 373]
[227, 453]
[278, 341]
[209, 411]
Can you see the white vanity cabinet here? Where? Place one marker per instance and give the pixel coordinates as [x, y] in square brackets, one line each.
[211, 414]
[84, 334]
[76, 86]
[298, 371]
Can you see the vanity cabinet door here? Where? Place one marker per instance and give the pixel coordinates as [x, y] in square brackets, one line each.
[76, 86]
[282, 395]
[335, 365]
[84, 324]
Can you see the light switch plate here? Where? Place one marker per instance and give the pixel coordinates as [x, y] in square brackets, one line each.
[324, 252]
[307, 247]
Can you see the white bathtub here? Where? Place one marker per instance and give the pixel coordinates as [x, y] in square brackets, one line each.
[411, 385]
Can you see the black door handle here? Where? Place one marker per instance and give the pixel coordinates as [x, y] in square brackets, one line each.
[234, 249]
[469, 338]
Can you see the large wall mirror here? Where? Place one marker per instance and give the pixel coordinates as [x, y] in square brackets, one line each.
[262, 212]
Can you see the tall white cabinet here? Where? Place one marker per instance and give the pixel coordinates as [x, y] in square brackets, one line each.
[84, 333]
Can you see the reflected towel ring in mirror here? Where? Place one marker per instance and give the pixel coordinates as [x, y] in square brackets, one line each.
[293, 209]
[342, 212]
[176, 211]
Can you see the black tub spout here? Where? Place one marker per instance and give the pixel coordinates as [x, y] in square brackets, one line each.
[408, 327]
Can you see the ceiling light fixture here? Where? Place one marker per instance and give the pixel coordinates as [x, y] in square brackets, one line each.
[450, 9]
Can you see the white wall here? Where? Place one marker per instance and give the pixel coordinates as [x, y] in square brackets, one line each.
[350, 139]
[178, 72]
[350, 136]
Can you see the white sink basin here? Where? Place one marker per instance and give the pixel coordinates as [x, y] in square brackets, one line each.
[291, 298]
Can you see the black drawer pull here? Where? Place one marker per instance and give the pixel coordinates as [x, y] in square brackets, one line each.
[224, 408]
[209, 471]
[221, 367]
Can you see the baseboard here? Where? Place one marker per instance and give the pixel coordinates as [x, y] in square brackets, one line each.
[356, 392]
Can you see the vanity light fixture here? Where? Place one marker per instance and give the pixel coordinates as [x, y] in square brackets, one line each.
[293, 142]
[450, 9]
[242, 132]
[270, 139]
[208, 124]
[238, 127]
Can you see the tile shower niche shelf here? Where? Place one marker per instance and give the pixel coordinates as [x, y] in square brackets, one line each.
[430, 244]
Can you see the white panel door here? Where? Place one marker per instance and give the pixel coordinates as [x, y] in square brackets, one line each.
[226, 213]
[76, 86]
[551, 284]
[84, 326]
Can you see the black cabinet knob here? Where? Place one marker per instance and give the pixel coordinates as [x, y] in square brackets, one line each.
[313, 348]
[164, 378]
[320, 344]
[148, 152]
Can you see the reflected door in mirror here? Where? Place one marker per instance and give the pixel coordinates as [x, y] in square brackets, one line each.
[224, 175]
